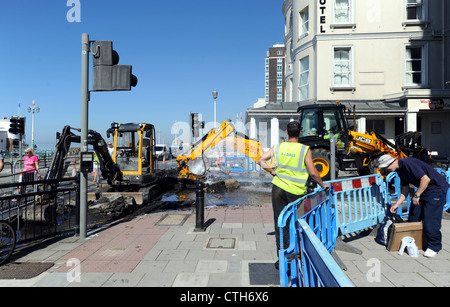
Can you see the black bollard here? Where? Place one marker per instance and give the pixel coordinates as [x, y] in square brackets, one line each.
[200, 207]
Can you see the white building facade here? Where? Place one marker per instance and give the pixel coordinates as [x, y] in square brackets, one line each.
[386, 58]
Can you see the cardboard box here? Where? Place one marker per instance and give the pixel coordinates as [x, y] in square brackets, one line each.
[401, 230]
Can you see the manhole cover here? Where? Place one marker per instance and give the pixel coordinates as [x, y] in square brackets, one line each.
[173, 220]
[221, 243]
[23, 270]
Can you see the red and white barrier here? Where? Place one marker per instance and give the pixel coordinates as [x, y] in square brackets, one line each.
[356, 183]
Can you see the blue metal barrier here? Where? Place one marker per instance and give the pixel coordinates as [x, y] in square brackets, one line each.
[393, 180]
[359, 202]
[352, 205]
[314, 265]
[239, 164]
[316, 210]
[447, 177]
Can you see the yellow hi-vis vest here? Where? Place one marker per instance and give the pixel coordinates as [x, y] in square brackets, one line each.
[291, 171]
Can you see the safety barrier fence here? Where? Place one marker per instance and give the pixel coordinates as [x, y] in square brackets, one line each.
[351, 205]
[40, 209]
[318, 268]
[359, 202]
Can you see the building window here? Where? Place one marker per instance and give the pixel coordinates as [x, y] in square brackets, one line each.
[304, 79]
[291, 20]
[414, 60]
[415, 9]
[377, 125]
[342, 66]
[342, 11]
[436, 128]
[304, 22]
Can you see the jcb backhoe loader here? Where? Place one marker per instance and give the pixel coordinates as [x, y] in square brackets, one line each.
[354, 151]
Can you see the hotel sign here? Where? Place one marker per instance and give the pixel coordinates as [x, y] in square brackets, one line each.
[322, 15]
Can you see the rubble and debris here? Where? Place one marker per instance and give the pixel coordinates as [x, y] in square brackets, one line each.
[113, 206]
[223, 185]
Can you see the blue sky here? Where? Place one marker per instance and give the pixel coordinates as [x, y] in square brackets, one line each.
[180, 51]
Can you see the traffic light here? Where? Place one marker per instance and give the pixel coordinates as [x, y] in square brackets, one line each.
[107, 75]
[21, 125]
[17, 125]
[195, 124]
[13, 125]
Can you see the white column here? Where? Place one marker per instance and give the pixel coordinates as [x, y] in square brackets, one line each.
[411, 120]
[361, 125]
[252, 131]
[274, 131]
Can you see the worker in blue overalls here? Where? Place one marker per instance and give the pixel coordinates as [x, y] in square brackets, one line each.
[428, 200]
[293, 166]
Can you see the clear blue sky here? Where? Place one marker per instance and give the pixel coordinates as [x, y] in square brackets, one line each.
[180, 51]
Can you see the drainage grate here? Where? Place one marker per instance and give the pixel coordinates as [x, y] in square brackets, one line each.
[172, 220]
[221, 243]
[23, 270]
[263, 274]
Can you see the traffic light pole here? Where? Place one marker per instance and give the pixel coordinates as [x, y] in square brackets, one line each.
[84, 129]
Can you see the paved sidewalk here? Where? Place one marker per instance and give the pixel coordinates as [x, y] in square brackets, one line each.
[377, 267]
[236, 250]
[163, 250]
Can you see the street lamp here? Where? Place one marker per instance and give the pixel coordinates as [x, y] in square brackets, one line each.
[31, 110]
[215, 93]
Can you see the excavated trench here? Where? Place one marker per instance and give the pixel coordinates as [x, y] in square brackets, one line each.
[220, 190]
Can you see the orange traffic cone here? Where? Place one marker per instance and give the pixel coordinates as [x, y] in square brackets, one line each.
[164, 159]
[74, 171]
[20, 180]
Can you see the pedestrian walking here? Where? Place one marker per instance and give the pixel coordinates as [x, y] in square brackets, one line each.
[95, 173]
[31, 165]
[293, 166]
[428, 200]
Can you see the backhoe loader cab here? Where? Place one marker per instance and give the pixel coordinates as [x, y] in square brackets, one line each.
[321, 122]
[134, 148]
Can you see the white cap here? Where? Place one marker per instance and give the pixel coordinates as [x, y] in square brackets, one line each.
[385, 161]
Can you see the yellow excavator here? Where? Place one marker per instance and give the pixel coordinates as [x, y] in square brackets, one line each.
[354, 151]
[191, 164]
[132, 168]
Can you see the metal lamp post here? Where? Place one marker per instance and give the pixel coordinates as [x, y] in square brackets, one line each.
[32, 109]
[215, 94]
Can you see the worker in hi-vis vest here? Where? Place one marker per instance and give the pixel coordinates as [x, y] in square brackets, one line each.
[293, 165]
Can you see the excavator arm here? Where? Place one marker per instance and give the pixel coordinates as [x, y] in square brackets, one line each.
[109, 169]
[248, 146]
[241, 142]
[211, 139]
